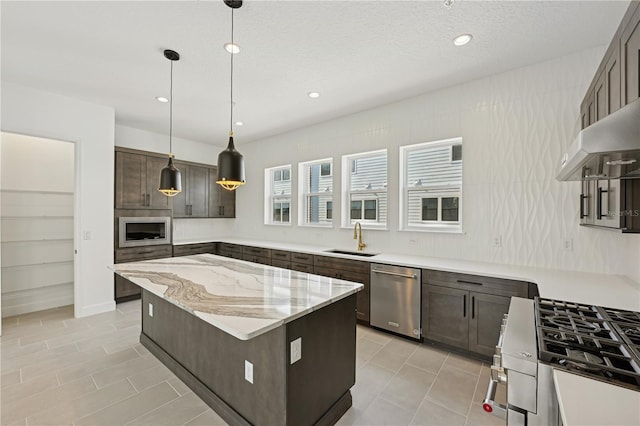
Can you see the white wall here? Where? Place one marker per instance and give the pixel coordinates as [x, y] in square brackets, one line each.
[91, 127]
[186, 150]
[514, 127]
[37, 184]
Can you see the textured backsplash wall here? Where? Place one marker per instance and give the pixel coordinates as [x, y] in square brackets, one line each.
[514, 127]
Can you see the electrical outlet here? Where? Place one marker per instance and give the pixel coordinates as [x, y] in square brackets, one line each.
[296, 350]
[86, 235]
[567, 244]
[150, 309]
[413, 241]
[248, 371]
[497, 241]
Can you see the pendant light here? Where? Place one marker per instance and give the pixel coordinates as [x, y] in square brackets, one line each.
[230, 161]
[170, 177]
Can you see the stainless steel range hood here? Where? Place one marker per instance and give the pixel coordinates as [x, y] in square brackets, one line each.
[608, 149]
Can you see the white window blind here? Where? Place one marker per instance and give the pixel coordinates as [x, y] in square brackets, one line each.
[315, 188]
[364, 189]
[431, 180]
[277, 195]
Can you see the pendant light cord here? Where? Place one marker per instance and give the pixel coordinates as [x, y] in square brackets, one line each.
[171, 112]
[231, 115]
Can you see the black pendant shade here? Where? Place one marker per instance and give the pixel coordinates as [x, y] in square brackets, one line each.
[230, 161]
[230, 167]
[170, 177]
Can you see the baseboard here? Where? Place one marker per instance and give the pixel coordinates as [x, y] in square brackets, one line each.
[98, 308]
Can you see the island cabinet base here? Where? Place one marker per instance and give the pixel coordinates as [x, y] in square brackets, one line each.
[312, 390]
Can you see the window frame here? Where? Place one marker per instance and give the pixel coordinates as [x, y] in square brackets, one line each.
[304, 197]
[270, 199]
[443, 190]
[346, 192]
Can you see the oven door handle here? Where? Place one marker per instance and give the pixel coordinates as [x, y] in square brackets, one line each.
[490, 405]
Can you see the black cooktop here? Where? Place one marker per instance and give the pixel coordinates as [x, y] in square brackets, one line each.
[597, 342]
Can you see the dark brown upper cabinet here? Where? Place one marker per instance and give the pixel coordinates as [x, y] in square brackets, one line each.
[193, 201]
[137, 177]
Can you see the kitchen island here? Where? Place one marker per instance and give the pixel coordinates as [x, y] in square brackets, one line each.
[260, 345]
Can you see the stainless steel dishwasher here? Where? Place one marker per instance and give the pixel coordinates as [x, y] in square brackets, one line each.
[395, 299]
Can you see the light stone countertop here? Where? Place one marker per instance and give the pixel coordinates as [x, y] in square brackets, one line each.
[241, 298]
[615, 291]
[588, 402]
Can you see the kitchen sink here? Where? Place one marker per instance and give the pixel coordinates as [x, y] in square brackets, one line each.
[351, 253]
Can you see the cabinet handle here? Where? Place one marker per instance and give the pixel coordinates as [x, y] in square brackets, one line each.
[468, 282]
[222, 210]
[582, 213]
[148, 200]
[464, 306]
[600, 192]
[473, 307]
[144, 199]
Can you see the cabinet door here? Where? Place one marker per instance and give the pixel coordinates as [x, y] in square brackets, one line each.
[487, 312]
[227, 202]
[130, 180]
[155, 198]
[630, 59]
[222, 203]
[600, 98]
[612, 82]
[591, 107]
[584, 114]
[444, 315]
[198, 197]
[181, 201]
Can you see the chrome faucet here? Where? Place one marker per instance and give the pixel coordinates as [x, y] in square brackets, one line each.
[361, 245]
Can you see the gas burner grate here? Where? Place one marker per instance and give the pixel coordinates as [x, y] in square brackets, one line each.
[591, 341]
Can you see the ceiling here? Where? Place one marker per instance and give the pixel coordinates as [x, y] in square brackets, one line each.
[357, 54]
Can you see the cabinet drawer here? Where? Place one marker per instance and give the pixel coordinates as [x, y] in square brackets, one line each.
[281, 263]
[228, 247]
[231, 254]
[342, 264]
[256, 259]
[343, 275]
[302, 267]
[256, 251]
[132, 254]
[280, 255]
[188, 249]
[302, 258]
[477, 283]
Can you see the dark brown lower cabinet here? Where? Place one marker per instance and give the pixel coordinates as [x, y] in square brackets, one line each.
[465, 311]
[350, 270]
[124, 290]
[444, 315]
[463, 319]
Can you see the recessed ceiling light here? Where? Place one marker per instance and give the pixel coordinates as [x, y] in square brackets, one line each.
[462, 39]
[232, 48]
[313, 95]
[239, 123]
[162, 99]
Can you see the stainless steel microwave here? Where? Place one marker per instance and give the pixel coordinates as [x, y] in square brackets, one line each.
[143, 231]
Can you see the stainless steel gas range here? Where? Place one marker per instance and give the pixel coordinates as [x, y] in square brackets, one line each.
[542, 334]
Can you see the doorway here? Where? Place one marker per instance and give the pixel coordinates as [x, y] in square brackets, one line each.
[37, 193]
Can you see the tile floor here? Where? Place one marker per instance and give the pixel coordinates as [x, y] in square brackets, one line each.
[58, 370]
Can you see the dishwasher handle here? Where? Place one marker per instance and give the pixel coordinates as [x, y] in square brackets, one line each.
[395, 274]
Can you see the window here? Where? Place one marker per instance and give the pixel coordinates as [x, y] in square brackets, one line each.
[277, 199]
[431, 186]
[315, 189]
[364, 189]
